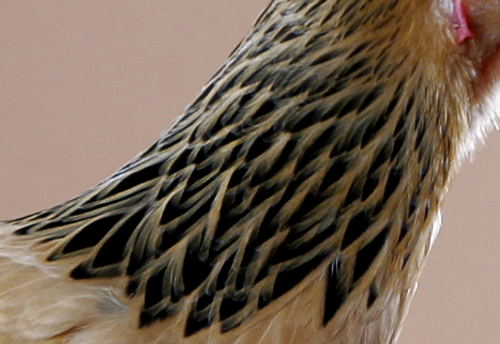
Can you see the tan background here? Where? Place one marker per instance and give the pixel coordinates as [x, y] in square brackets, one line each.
[87, 84]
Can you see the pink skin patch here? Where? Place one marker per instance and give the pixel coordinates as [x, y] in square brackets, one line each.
[460, 21]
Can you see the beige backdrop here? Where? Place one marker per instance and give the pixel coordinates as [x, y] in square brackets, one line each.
[87, 84]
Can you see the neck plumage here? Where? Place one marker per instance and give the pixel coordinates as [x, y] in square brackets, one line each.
[324, 143]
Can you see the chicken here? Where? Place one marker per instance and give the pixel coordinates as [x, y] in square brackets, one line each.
[306, 178]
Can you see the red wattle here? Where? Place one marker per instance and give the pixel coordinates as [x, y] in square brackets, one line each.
[461, 22]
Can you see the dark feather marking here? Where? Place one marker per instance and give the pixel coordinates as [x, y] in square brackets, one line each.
[286, 156]
[23, 230]
[305, 86]
[204, 300]
[127, 198]
[238, 176]
[190, 191]
[264, 192]
[426, 210]
[393, 181]
[373, 295]
[303, 54]
[360, 48]
[318, 146]
[81, 271]
[231, 304]
[181, 161]
[173, 235]
[424, 170]
[216, 125]
[382, 156]
[203, 95]
[292, 35]
[378, 123]
[358, 225]
[241, 278]
[331, 90]
[141, 176]
[336, 171]
[329, 15]
[51, 238]
[53, 224]
[155, 289]
[316, 38]
[132, 287]
[271, 28]
[269, 226]
[349, 13]
[316, 93]
[231, 83]
[313, 9]
[370, 97]
[263, 273]
[137, 261]
[194, 271]
[231, 114]
[267, 107]
[308, 119]
[402, 121]
[284, 29]
[113, 250]
[230, 159]
[287, 279]
[172, 211]
[176, 292]
[260, 145]
[409, 106]
[283, 77]
[265, 299]
[195, 322]
[224, 273]
[148, 317]
[328, 56]
[335, 292]
[310, 202]
[352, 141]
[371, 183]
[367, 254]
[169, 185]
[348, 104]
[261, 49]
[356, 190]
[420, 133]
[231, 136]
[231, 323]
[209, 148]
[202, 170]
[215, 97]
[279, 58]
[404, 230]
[255, 77]
[91, 234]
[291, 249]
[354, 69]
[228, 217]
[169, 141]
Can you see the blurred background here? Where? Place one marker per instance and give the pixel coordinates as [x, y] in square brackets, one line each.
[86, 85]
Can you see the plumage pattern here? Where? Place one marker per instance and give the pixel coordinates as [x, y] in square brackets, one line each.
[307, 177]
